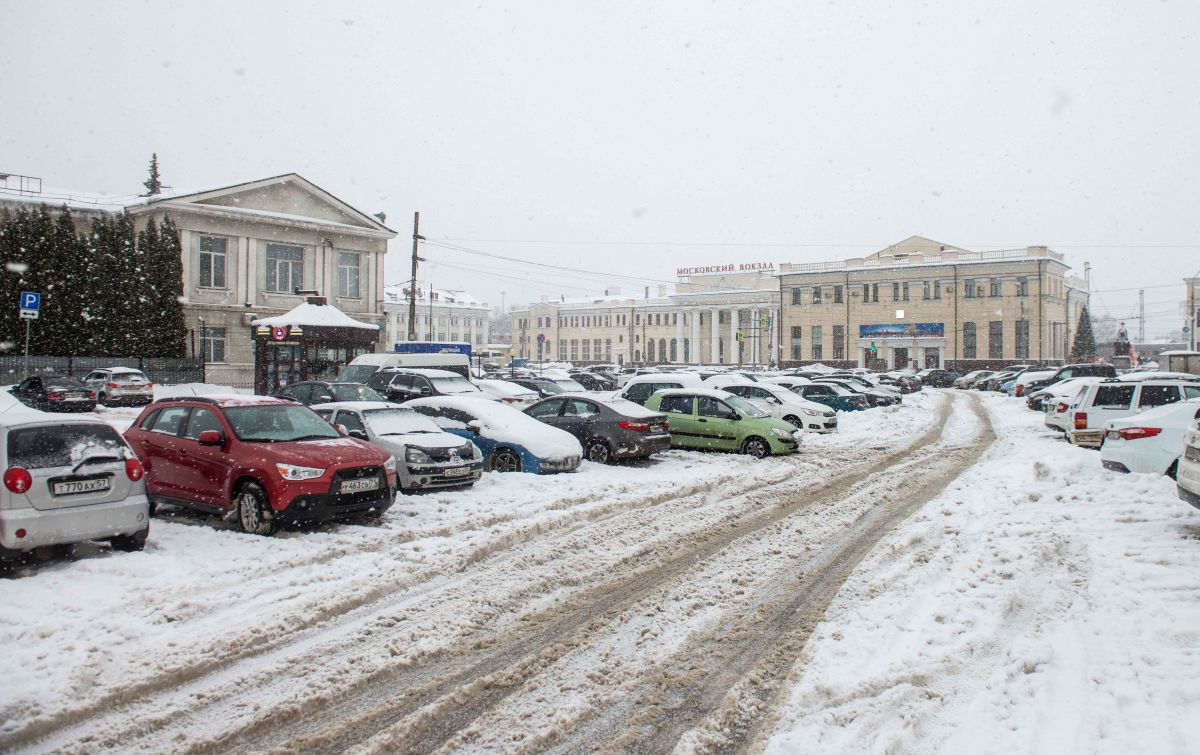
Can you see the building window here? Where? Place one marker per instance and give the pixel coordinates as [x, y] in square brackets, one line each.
[895, 292]
[937, 289]
[866, 292]
[608, 349]
[839, 341]
[969, 288]
[905, 289]
[587, 350]
[968, 340]
[837, 294]
[995, 287]
[1022, 287]
[797, 352]
[349, 275]
[285, 268]
[996, 339]
[213, 251]
[574, 349]
[1022, 339]
[875, 293]
[797, 297]
[213, 342]
[816, 292]
[816, 341]
[926, 290]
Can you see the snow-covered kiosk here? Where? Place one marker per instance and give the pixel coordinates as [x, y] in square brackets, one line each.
[311, 342]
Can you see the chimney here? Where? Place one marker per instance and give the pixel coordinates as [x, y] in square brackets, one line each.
[320, 301]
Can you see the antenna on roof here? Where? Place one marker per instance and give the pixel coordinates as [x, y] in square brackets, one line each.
[382, 217]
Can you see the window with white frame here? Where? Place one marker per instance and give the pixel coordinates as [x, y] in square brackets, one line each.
[212, 344]
[213, 258]
[349, 274]
[284, 268]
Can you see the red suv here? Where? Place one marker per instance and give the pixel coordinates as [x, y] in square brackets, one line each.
[268, 461]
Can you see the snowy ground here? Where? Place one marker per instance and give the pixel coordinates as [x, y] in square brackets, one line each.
[1035, 602]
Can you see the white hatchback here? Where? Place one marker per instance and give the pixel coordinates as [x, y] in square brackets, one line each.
[1150, 442]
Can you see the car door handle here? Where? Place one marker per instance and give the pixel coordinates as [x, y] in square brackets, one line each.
[702, 420]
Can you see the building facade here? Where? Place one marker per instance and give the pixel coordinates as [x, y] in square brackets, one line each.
[442, 315]
[709, 318]
[921, 303]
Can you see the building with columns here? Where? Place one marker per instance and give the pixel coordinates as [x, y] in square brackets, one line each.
[723, 317]
[922, 303]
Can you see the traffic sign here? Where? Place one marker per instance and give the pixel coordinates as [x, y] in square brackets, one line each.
[31, 300]
[541, 337]
[29, 314]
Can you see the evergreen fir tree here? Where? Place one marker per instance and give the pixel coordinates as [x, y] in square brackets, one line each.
[162, 320]
[1083, 348]
[65, 288]
[153, 184]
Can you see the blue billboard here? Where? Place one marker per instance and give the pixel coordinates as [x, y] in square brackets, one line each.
[903, 330]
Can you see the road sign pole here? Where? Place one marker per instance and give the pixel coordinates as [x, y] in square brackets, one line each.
[28, 323]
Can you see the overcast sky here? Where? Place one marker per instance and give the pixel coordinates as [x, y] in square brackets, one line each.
[635, 138]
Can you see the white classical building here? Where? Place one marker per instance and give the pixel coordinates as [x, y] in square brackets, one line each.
[442, 315]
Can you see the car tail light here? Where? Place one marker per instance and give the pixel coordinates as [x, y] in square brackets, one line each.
[54, 396]
[149, 385]
[666, 424]
[640, 427]
[1080, 420]
[1060, 408]
[1133, 433]
[17, 479]
[91, 394]
[1019, 391]
[114, 385]
[134, 469]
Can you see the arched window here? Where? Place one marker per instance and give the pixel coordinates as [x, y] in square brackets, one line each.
[662, 349]
[637, 355]
[650, 350]
[674, 350]
[687, 350]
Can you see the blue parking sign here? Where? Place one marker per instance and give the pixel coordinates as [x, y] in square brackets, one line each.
[31, 300]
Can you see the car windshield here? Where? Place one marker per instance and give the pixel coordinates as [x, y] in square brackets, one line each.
[750, 410]
[549, 386]
[395, 421]
[454, 384]
[62, 445]
[357, 373]
[278, 424]
[569, 385]
[354, 392]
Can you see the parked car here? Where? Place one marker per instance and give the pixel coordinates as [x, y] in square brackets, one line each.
[641, 387]
[266, 461]
[995, 380]
[427, 457]
[714, 419]
[1113, 399]
[1067, 390]
[542, 387]
[834, 396]
[1027, 378]
[935, 378]
[55, 393]
[790, 407]
[905, 383]
[511, 441]
[875, 396]
[1058, 404]
[320, 392]
[402, 384]
[1149, 442]
[115, 386]
[593, 382]
[508, 391]
[568, 384]
[968, 380]
[1187, 473]
[1068, 371]
[608, 428]
[66, 481]
[860, 383]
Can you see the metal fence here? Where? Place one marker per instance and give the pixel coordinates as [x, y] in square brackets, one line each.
[162, 371]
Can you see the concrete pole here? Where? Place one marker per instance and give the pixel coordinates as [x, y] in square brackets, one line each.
[679, 336]
[714, 352]
[694, 344]
[734, 347]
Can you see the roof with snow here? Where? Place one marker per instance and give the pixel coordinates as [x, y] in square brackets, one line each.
[442, 297]
[315, 315]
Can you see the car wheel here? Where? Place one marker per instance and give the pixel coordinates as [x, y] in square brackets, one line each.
[598, 451]
[505, 460]
[1173, 470]
[254, 510]
[756, 447]
[130, 543]
[794, 420]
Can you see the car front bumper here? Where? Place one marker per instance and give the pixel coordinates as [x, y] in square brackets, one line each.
[325, 503]
[72, 525]
[433, 476]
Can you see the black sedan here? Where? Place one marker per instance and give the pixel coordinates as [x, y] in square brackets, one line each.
[55, 393]
[594, 382]
[320, 392]
[938, 378]
[608, 428]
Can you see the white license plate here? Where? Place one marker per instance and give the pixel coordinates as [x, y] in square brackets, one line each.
[457, 471]
[359, 485]
[76, 398]
[71, 487]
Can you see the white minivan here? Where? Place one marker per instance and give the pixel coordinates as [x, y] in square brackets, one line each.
[1112, 399]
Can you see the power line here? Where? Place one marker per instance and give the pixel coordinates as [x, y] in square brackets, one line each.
[805, 244]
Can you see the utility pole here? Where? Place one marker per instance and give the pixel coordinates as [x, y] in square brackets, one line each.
[412, 284]
[1141, 315]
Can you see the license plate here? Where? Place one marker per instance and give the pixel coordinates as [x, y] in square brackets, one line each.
[76, 398]
[1192, 453]
[359, 485]
[72, 487]
[457, 471]
[656, 428]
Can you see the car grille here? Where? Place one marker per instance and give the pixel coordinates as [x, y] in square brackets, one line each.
[462, 453]
[363, 496]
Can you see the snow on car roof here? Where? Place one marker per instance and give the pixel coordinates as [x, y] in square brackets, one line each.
[234, 399]
[506, 424]
[426, 371]
[510, 388]
[623, 405]
[710, 392]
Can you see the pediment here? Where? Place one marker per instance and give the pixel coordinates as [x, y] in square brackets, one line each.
[916, 245]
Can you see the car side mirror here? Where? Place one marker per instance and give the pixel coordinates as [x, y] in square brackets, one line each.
[211, 438]
[475, 426]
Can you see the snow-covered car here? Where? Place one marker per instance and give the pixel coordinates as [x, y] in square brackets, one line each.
[1151, 441]
[511, 441]
[66, 481]
[783, 404]
[120, 385]
[507, 391]
[1026, 378]
[968, 380]
[1187, 473]
[608, 428]
[1037, 399]
[427, 457]
[1112, 399]
[641, 387]
[400, 384]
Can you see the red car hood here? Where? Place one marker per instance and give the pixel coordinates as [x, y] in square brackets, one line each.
[335, 452]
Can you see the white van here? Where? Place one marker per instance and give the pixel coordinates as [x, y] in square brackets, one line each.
[641, 387]
[363, 367]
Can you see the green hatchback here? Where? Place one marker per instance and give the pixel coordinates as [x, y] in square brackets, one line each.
[714, 419]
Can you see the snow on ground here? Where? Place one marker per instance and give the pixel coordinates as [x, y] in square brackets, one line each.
[1041, 604]
[75, 629]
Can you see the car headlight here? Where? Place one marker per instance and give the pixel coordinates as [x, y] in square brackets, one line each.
[780, 433]
[812, 412]
[390, 464]
[416, 456]
[293, 472]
